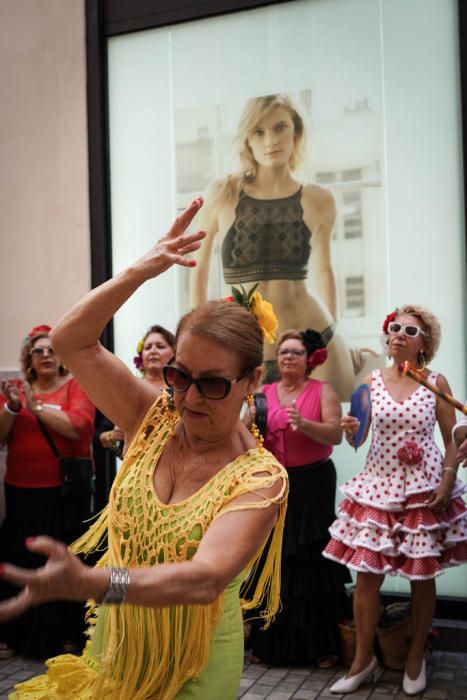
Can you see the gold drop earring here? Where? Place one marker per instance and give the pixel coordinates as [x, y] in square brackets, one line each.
[254, 430]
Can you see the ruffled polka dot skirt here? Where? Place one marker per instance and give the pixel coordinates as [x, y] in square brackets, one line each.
[384, 525]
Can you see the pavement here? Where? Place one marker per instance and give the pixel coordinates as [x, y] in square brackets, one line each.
[447, 680]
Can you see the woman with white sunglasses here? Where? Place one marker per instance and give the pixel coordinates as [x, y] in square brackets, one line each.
[404, 513]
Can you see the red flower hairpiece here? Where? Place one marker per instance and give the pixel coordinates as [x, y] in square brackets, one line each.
[317, 358]
[39, 329]
[389, 319]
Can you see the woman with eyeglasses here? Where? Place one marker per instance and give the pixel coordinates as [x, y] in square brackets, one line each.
[33, 499]
[303, 425]
[189, 512]
[404, 514]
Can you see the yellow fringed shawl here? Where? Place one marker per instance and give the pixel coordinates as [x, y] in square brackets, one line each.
[152, 652]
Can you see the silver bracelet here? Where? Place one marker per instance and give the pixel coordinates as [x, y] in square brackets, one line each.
[118, 586]
[10, 410]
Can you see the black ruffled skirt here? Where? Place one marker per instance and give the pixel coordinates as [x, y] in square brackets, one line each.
[312, 587]
[41, 631]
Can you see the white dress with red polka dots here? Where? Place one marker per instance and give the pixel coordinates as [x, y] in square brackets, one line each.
[384, 525]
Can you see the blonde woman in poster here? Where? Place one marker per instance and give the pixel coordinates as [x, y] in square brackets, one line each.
[272, 227]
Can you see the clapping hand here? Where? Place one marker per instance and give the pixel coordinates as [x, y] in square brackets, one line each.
[61, 578]
[31, 401]
[295, 418]
[12, 394]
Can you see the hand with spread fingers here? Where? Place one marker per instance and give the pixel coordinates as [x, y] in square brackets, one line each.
[61, 578]
[173, 248]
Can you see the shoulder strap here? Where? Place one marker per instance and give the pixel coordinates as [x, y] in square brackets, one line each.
[47, 436]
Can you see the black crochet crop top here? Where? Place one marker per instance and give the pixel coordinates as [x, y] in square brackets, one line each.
[267, 241]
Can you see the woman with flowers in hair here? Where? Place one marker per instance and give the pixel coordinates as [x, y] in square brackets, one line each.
[33, 494]
[404, 513]
[190, 510]
[303, 425]
[155, 349]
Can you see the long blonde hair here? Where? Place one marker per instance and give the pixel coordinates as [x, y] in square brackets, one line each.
[255, 110]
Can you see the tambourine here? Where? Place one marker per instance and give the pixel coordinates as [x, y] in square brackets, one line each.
[261, 412]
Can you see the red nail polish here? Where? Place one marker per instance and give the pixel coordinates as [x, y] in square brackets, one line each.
[30, 540]
[2, 569]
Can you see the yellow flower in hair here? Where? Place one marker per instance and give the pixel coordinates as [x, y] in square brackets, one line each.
[264, 313]
[140, 346]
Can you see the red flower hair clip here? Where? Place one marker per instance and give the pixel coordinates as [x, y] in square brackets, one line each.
[39, 329]
[410, 453]
[317, 358]
[389, 319]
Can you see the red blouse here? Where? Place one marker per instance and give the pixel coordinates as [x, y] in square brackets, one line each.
[30, 461]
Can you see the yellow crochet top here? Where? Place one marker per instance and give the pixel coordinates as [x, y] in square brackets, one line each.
[152, 652]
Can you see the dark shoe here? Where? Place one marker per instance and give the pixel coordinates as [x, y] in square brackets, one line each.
[326, 662]
[6, 652]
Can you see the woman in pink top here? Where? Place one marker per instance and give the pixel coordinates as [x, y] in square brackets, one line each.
[303, 424]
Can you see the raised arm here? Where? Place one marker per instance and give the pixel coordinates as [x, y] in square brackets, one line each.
[106, 379]
[320, 213]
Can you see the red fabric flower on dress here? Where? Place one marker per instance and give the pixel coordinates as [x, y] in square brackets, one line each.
[318, 357]
[410, 453]
[389, 318]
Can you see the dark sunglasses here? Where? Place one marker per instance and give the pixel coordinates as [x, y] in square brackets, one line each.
[409, 330]
[41, 351]
[209, 387]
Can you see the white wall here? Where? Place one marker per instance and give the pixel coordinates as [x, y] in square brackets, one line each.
[44, 229]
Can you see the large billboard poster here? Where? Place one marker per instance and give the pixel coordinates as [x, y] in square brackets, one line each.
[325, 137]
[294, 201]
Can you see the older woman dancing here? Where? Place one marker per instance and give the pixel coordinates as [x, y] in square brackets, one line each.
[190, 510]
[404, 514]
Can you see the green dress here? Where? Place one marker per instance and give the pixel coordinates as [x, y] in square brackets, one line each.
[184, 652]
